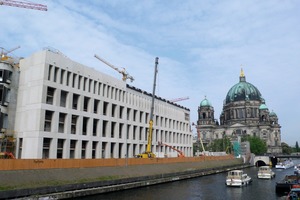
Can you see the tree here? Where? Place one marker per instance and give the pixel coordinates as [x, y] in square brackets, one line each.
[286, 149]
[257, 145]
[297, 146]
[220, 145]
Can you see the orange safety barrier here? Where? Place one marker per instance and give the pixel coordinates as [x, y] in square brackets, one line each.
[26, 164]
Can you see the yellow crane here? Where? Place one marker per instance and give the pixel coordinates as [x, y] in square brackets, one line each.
[123, 71]
[148, 153]
[5, 52]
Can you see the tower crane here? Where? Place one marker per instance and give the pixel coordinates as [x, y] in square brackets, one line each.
[123, 71]
[179, 99]
[24, 4]
[5, 52]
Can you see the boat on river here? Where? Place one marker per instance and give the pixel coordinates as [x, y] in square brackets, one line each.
[294, 194]
[285, 165]
[265, 172]
[289, 181]
[297, 169]
[237, 178]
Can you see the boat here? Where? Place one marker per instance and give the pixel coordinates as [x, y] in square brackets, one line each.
[237, 178]
[285, 165]
[294, 193]
[289, 181]
[297, 169]
[265, 172]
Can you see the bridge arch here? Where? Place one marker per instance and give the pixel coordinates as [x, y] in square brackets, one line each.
[262, 161]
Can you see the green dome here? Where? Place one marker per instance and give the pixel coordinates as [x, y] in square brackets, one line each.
[263, 107]
[272, 114]
[243, 91]
[205, 102]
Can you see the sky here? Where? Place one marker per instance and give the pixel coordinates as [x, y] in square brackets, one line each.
[201, 46]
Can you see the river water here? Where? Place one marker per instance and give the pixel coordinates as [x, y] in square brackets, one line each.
[204, 188]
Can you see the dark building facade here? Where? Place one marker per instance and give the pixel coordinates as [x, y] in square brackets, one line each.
[244, 113]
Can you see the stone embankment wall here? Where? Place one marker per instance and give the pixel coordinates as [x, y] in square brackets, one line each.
[62, 181]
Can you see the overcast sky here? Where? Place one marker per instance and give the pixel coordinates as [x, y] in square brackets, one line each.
[201, 45]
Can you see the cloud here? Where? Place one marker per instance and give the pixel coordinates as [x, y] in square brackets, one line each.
[201, 46]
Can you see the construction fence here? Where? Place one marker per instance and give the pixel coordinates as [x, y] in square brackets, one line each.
[29, 164]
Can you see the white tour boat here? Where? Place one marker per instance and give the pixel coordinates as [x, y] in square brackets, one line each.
[285, 165]
[237, 178]
[265, 172]
[297, 169]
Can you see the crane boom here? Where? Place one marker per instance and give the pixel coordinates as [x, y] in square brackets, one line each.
[179, 99]
[123, 72]
[22, 4]
[180, 153]
[148, 153]
[5, 52]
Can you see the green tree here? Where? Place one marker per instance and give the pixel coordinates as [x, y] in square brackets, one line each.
[220, 145]
[297, 146]
[286, 149]
[257, 145]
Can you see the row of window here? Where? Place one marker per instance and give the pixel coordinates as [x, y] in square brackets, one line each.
[90, 105]
[65, 148]
[80, 125]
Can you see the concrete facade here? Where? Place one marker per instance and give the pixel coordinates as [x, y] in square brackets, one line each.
[68, 110]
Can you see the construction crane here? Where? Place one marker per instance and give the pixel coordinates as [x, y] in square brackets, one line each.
[180, 153]
[24, 4]
[199, 137]
[179, 99]
[123, 71]
[5, 52]
[148, 153]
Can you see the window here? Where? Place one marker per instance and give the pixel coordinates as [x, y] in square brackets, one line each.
[46, 147]
[61, 123]
[74, 124]
[48, 120]
[62, 74]
[105, 108]
[95, 126]
[50, 95]
[60, 148]
[49, 72]
[83, 149]
[94, 149]
[72, 148]
[86, 101]
[75, 101]
[85, 125]
[96, 105]
[63, 98]
[113, 109]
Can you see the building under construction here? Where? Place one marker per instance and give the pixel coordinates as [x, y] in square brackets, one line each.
[54, 107]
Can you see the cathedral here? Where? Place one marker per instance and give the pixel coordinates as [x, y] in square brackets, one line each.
[244, 113]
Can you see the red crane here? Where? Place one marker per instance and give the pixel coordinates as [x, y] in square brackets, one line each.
[24, 4]
[180, 153]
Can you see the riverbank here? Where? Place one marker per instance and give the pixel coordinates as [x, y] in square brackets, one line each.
[74, 182]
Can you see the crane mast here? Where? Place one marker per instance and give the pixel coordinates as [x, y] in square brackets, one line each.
[22, 4]
[148, 153]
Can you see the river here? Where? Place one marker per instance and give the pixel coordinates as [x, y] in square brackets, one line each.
[204, 188]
